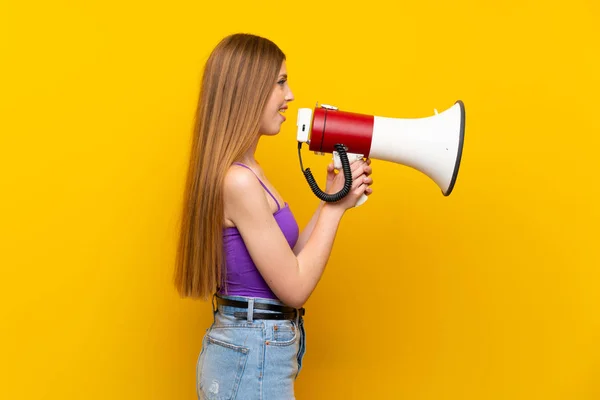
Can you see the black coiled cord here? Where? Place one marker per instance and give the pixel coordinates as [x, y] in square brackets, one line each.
[330, 198]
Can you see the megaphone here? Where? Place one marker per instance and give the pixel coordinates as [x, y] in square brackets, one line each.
[432, 145]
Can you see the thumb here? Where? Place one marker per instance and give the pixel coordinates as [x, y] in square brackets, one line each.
[330, 169]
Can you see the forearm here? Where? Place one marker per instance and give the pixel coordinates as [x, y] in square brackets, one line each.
[307, 231]
[314, 256]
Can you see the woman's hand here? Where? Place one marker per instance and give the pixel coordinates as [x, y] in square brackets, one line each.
[361, 182]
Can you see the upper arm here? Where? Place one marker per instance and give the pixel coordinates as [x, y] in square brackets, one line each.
[247, 207]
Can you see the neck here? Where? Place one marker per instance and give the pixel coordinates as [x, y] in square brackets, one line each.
[249, 157]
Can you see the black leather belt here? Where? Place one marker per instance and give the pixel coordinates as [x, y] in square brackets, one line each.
[282, 312]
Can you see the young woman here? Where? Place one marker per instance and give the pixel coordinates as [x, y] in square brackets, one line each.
[240, 244]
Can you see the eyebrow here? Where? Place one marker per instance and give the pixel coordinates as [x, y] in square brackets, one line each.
[283, 76]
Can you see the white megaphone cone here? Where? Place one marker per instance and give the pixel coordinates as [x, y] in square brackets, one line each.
[432, 145]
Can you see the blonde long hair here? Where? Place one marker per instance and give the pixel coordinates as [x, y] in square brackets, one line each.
[238, 79]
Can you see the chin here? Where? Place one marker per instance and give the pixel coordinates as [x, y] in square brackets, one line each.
[272, 131]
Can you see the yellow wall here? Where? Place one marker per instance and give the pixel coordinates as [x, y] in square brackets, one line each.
[491, 293]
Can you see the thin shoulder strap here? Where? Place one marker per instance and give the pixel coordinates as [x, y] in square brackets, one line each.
[261, 182]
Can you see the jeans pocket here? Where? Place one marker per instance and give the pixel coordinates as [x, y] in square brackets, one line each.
[284, 334]
[220, 369]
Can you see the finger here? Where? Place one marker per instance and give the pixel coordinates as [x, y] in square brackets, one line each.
[361, 189]
[356, 182]
[357, 168]
[368, 191]
[358, 171]
[362, 180]
[357, 164]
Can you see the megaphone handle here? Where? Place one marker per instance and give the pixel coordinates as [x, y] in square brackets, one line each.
[362, 199]
[337, 163]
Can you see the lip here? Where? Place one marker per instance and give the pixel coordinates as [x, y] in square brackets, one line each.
[282, 109]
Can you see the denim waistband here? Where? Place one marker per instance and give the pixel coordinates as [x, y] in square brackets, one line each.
[230, 310]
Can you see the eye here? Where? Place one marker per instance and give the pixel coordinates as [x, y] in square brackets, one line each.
[282, 82]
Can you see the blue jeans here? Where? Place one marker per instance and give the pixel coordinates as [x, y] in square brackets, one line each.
[250, 359]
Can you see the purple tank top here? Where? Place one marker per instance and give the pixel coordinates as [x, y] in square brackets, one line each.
[242, 277]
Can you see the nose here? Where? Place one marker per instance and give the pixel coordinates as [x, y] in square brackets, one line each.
[289, 95]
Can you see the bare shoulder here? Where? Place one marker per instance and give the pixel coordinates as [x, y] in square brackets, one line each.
[242, 192]
[238, 180]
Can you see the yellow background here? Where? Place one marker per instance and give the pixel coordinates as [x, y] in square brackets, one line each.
[491, 293]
